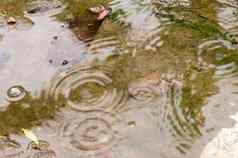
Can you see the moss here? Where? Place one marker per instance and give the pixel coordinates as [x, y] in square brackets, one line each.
[221, 56]
[93, 89]
[28, 113]
[201, 28]
[194, 94]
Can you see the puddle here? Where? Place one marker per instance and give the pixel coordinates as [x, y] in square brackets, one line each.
[158, 79]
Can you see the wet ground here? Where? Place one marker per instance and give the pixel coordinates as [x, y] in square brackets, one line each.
[155, 79]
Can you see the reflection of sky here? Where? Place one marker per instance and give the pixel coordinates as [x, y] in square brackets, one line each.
[140, 15]
[221, 111]
[221, 114]
[226, 17]
[26, 61]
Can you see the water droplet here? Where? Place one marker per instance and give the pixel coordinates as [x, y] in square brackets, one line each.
[16, 93]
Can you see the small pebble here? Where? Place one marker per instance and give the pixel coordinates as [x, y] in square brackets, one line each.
[11, 21]
[132, 124]
[50, 61]
[65, 62]
[55, 37]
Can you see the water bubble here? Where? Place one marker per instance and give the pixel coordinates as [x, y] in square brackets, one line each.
[93, 133]
[16, 93]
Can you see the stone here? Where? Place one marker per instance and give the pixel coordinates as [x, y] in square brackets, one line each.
[103, 14]
[65, 62]
[11, 21]
[34, 10]
[97, 9]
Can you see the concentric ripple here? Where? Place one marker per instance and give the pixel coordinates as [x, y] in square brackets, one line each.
[143, 94]
[132, 9]
[92, 133]
[88, 88]
[227, 17]
[153, 39]
[9, 148]
[220, 54]
[145, 33]
[174, 121]
[103, 45]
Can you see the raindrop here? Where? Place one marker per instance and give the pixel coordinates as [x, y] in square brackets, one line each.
[88, 88]
[93, 133]
[16, 93]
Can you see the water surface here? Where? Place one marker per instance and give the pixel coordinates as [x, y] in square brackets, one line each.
[158, 80]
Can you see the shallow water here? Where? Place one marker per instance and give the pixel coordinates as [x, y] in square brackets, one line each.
[158, 80]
